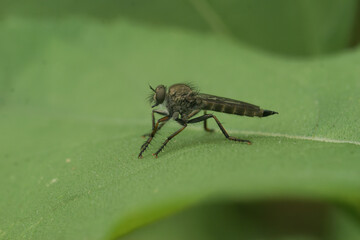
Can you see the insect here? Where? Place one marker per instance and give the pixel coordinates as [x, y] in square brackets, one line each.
[182, 102]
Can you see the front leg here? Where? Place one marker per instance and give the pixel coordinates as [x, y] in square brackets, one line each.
[153, 121]
[146, 144]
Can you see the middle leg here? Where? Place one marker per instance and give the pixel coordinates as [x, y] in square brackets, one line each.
[184, 124]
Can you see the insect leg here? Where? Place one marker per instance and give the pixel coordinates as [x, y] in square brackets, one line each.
[153, 116]
[153, 121]
[146, 144]
[171, 136]
[205, 125]
[204, 117]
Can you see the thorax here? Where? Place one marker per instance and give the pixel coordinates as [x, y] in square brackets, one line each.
[181, 99]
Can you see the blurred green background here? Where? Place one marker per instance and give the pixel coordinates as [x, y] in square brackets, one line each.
[73, 85]
[296, 28]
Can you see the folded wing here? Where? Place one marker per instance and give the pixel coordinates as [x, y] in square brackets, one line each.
[231, 106]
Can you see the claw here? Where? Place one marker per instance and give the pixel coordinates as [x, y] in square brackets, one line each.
[155, 155]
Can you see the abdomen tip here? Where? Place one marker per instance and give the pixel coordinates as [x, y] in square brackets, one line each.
[268, 113]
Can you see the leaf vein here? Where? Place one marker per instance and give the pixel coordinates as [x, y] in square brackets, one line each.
[297, 137]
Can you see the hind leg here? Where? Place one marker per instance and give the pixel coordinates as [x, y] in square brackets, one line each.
[204, 117]
[205, 125]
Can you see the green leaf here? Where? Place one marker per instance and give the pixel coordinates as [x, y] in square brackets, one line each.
[72, 110]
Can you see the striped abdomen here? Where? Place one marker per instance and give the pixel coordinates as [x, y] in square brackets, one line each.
[226, 105]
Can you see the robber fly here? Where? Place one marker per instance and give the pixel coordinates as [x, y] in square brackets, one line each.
[182, 102]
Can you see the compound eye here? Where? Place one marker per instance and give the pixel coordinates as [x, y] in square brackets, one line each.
[160, 94]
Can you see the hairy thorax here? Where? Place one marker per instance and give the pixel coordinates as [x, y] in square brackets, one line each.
[182, 99]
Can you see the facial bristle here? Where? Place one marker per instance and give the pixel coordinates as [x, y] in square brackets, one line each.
[150, 97]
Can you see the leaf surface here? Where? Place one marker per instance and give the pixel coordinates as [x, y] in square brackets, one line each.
[73, 109]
